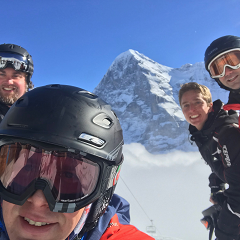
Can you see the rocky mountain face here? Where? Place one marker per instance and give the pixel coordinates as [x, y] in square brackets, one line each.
[144, 95]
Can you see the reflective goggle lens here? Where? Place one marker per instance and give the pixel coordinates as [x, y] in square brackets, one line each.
[70, 177]
[229, 58]
[20, 63]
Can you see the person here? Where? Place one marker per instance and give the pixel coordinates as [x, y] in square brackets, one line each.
[222, 61]
[216, 133]
[16, 70]
[60, 160]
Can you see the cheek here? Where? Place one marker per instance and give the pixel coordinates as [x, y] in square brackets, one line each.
[10, 212]
[221, 79]
[72, 219]
[185, 113]
[22, 87]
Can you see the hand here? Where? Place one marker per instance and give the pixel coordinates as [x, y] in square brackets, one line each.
[218, 198]
[212, 201]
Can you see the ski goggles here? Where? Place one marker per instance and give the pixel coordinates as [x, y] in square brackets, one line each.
[65, 178]
[230, 58]
[19, 62]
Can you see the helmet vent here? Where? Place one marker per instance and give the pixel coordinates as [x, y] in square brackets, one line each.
[53, 86]
[87, 94]
[17, 125]
[103, 120]
[22, 102]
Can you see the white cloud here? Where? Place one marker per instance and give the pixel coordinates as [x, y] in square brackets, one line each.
[136, 154]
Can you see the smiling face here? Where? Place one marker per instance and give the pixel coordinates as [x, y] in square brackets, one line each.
[33, 220]
[12, 85]
[195, 109]
[231, 79]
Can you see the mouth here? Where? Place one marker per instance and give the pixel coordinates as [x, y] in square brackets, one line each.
[9, 88]
[37, 224]
[232, 79]
[194, 116]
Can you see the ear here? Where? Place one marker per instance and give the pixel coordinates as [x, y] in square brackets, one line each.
[210, 107]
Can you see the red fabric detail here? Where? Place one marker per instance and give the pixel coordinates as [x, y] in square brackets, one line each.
[234, 106]
[117, 231]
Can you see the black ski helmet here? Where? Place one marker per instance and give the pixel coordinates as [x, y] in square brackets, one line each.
[13, 48]
[74, 119]
[218, 46]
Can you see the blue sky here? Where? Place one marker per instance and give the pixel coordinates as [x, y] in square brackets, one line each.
[75, 41]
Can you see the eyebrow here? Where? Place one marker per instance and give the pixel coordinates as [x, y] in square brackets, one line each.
[183, 103]
[193, 100]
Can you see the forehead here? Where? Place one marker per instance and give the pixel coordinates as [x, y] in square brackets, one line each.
[191, 95]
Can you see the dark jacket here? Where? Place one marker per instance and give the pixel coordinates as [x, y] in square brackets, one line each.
[234, 97]
[218, 143]
[3, 110]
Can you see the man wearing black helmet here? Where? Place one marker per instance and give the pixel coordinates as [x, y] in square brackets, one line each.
[222, 61]
[16, 69]
[60, 160]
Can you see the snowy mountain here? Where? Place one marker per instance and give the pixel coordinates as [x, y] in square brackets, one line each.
[144, 95]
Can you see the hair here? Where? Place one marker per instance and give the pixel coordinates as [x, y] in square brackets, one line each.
[29, 82]
[207, 96]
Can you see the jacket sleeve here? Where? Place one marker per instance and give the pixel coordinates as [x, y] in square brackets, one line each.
[229, 218]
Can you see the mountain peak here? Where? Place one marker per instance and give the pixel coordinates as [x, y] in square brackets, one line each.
[129, 53]
[132, 57]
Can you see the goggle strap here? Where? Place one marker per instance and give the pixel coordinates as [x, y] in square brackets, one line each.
[114, 176]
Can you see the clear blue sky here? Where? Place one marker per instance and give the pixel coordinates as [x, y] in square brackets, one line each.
[75, 41]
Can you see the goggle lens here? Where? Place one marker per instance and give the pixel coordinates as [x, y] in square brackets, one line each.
[20, 63]
[70, 177]
[227, 59]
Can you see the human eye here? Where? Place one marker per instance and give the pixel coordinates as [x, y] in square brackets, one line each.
[69, 175]
[17, 75]
[185, 106]
[199, 102]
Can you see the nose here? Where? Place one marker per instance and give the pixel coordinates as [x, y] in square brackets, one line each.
[192, 107]
[9, 80]
[38, 199]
